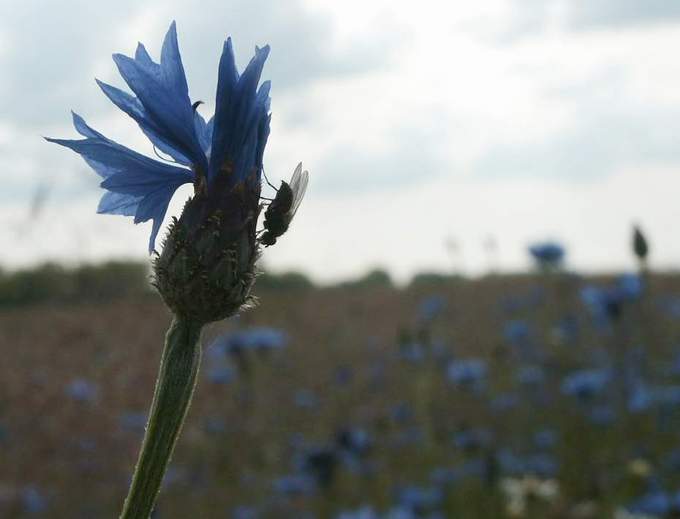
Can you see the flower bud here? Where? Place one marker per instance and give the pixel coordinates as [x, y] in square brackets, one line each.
[207, 266]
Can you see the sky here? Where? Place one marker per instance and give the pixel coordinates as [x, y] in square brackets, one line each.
[430, 129]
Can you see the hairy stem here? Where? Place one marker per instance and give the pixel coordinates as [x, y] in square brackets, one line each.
[174, 388]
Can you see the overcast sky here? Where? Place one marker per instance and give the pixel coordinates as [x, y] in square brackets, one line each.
[420, 123]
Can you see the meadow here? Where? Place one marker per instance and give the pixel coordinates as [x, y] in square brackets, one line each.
[547, 395]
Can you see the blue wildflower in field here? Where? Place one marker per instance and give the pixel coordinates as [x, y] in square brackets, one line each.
[517, 332]
[656, 504]
[418, 500]
[294, 485]
[606, 303]
[585, 384]
[473, 439]
[364, 512]
[548, 254]
[258, 339]
[221, 375]
[469, 373]
[306, 399]
[82, 390]
[33, 500]
[245, 512]
[431, 307]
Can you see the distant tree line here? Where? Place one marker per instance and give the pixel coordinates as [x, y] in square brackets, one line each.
[53, 283]
[56, 283]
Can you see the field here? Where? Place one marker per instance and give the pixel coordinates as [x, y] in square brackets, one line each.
[542, 396]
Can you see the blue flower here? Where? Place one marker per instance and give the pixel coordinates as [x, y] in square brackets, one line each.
[656, 503]
[418, 499]
[82, 390]
[548, 254]
[365, 512]
[585, 384]
[215, 156]
[467, 373]
[33, 500]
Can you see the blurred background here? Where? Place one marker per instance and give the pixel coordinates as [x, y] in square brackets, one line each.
[475, 314]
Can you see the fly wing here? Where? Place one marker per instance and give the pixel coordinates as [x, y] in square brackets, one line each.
[298, 185]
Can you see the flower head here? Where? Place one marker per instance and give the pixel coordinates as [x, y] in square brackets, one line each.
[223, 152]
[207, 265]
[548, 254]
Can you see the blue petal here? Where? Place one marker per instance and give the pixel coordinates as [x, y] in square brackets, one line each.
[241, 114]
[163, 93]
[137, 185]
[204, 132]
[143, 58]
[118, 203]
[132, 106]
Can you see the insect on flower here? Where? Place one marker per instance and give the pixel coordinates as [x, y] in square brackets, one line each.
[206, 267]
[282, 209]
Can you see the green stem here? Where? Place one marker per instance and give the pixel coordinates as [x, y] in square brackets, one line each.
[174, 388]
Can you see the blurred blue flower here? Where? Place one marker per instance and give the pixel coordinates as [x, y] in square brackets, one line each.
[656, 504]
[133, 421]
[473, 438]
[364, 512]
[260, 339]
[221, 375]
[630, 286]
[469, 373]
[585, 384]
[306, 399]
[541, 465]
[33, 500]
[517, 332]
[245, 512]
[82, 390]
[417, 499]
[431, 307]
[295, 485]
[234, 138]
[641, 398]
[411, 352]
[545, 438]
[354, 441]
[547, 254]
[606, 303]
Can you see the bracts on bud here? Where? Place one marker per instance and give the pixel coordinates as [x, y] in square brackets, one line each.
[207, 267]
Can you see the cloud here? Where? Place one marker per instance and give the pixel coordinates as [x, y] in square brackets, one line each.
[587, 14]
[532, 18]
[408, 156]
[50, 52]
[598, 145]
